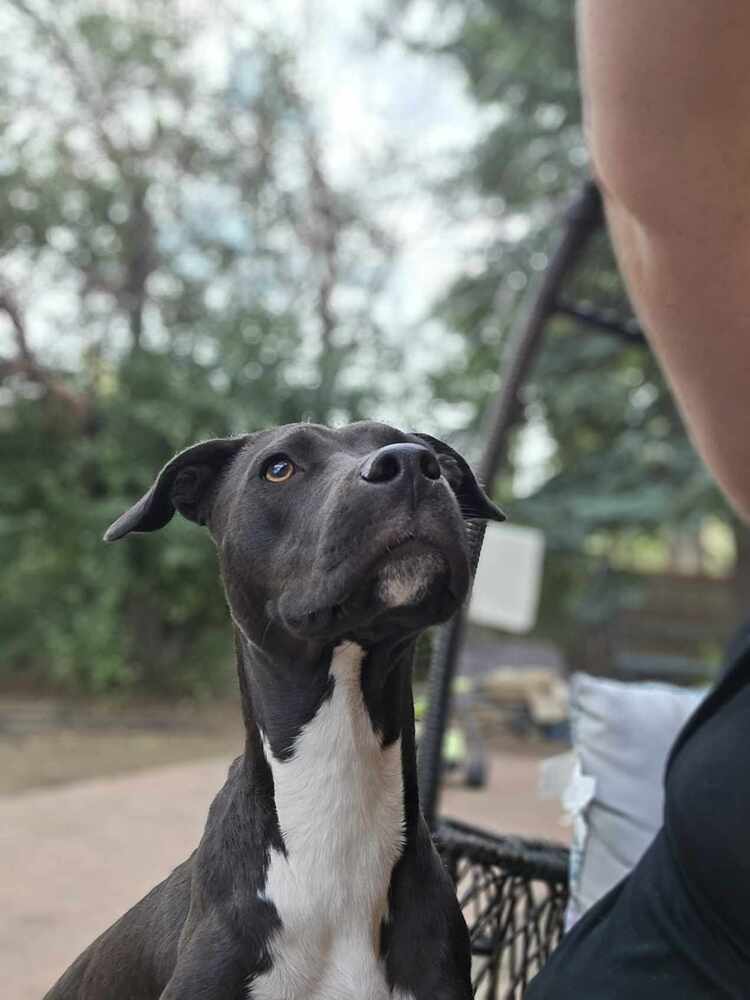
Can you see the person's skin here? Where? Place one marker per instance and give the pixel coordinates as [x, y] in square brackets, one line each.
[666, 88]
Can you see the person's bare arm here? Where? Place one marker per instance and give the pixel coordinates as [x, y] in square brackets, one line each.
[667, 109]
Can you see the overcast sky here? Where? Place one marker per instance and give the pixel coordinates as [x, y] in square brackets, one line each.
[378, 99]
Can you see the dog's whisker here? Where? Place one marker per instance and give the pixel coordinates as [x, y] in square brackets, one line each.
[269, 622]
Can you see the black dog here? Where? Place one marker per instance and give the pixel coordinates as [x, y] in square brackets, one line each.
[316, 878]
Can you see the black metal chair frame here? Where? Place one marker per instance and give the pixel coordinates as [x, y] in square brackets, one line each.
[513, 891]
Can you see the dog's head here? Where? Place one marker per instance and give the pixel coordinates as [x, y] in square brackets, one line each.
[326, 534]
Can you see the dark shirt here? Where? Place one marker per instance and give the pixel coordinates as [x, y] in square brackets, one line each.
[679, 925]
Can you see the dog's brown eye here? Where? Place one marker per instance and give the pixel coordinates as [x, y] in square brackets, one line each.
[279, 469]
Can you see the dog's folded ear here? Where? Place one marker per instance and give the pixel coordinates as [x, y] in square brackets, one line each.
[186, 483]
[472, 499]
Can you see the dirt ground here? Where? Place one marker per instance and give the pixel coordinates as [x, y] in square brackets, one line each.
[48, 742]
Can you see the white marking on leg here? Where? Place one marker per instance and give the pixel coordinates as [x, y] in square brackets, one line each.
[340, 803]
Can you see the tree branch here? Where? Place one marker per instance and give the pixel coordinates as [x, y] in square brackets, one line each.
[27, 365]
[85, 85]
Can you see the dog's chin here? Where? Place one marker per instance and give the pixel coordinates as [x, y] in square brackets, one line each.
[408, 593]
[407, 589]
[409, 579]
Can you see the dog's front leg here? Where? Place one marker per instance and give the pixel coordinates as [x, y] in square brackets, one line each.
[428, 950]
[212, 964]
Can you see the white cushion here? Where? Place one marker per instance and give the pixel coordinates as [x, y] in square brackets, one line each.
[622, 734]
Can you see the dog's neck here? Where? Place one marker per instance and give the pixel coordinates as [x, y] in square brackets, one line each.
[285, 688]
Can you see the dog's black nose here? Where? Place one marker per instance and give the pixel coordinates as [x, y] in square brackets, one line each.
[395, 460]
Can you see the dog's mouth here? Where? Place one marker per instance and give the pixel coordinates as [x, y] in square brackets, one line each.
[409, 583]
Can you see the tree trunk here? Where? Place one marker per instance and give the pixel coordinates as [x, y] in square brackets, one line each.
[140, 261]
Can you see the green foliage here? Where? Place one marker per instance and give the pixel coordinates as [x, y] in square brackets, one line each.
[619, 460]
[618, 478]
[178, 267]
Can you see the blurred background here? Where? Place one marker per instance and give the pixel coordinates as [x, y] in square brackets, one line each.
[218, 217]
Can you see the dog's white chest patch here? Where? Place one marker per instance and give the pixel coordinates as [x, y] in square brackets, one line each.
[339, 800]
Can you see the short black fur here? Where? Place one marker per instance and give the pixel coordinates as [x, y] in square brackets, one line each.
[300, 565]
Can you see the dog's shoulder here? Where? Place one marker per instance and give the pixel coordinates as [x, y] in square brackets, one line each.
[137, 954]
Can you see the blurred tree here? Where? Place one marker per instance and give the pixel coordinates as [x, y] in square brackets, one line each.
[176, 264]
[614, 460]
